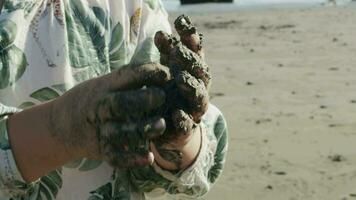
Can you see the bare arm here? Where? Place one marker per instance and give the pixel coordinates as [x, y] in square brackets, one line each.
[90, 121]
[38, 153]
[35, 150]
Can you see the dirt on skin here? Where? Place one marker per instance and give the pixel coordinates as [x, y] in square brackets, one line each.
[187, 91]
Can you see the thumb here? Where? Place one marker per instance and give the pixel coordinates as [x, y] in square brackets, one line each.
[135, 77]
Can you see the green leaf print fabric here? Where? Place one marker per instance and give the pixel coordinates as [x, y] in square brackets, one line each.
[88, 32]
[49, 46]
[13, 61]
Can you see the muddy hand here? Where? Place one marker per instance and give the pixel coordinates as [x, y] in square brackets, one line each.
[123, 132]
[186, 61]
[106, 117]
[189, 35]
[123, 129]
[179, 57]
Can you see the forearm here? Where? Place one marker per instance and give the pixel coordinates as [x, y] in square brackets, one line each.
[178, 155]
[35, 150]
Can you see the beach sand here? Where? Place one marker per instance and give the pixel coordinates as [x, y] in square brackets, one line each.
[285, 80]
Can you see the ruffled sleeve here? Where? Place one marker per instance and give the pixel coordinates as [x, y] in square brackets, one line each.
[198, 179]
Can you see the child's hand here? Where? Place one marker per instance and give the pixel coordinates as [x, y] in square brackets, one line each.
[192, 78]
[104, 118]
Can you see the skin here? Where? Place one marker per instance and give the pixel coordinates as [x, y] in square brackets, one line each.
[179, 122]
[187, 93]
[109, 103]
[91, 120]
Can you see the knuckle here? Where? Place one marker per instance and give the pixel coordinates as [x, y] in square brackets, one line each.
[123, 72]
[108, 106]
[151, 97]
[155, 93]
[152, 72]
[108, 132]
[182, 121]
[164, 42]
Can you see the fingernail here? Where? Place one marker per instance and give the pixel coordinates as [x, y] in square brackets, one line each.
[160, 126]
[141, 162]
[154, 129]
[155, 98]
[144, 161]
[151, 158]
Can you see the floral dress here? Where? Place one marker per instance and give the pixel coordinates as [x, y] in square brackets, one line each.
[49, 46]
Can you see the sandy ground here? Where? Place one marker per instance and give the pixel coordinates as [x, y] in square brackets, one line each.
[286, 82]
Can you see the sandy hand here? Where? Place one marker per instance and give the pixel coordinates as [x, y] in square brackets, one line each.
[187, 94]
[106, 117]
[122, 130]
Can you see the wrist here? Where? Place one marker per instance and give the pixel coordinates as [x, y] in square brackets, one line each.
[61, 122]
[178, 155]
[35, 151]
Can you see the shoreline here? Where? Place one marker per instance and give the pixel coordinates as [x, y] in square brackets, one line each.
[235, 7]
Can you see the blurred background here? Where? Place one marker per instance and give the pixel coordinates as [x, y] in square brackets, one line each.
[285, 78]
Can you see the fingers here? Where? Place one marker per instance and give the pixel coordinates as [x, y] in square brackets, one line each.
[196, 94]
[152, 74]
[190, 62]
[152, 128]
[125, 144]
[130, 135]
[188, 34]
[138, 159]
[129, 104]
[139, 102]
[182, 122]
[179, 127]
[165, 42]
[177, 55]
[143, 130]
[125, 160]
[134, 77]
